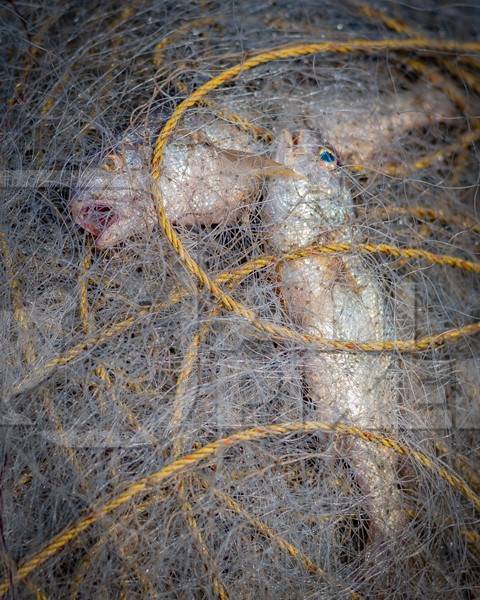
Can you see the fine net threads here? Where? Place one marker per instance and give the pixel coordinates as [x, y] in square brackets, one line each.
[157, 445]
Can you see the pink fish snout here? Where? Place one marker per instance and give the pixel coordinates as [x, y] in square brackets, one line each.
[92, 215]
[112, 206]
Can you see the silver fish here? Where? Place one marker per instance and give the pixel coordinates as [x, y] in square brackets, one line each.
[336, 297]
[364, 131]
[208, 175]
[366, 128]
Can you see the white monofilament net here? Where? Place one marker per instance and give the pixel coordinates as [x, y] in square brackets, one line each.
[117, 363]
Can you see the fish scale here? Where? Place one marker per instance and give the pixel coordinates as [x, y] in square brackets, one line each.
[211, 173]
[337, 298]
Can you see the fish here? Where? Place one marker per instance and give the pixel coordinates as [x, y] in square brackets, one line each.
[363, 131]
[212, 169]
[336, 297]
[364, 125]
[210, 174]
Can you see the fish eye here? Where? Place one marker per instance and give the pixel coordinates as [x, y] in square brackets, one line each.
[328, 157]
[113, 162]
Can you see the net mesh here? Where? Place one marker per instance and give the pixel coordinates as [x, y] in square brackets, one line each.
[157, 445]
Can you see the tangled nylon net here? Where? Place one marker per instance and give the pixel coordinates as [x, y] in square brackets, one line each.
[158, 437]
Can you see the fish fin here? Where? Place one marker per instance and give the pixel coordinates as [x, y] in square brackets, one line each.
[256, 165]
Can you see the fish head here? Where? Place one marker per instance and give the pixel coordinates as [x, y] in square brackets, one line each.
[114, 201]
[297, 211]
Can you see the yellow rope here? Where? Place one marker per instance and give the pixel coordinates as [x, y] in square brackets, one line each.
[83, 292]
[465, 140]
[227, 301]
[281, 542]
[414, 253]
[190, 461]
[39, 374]
[177, 419]
[400, 26]
[429, 214]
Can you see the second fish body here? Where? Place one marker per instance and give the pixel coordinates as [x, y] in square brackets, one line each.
[337, 297]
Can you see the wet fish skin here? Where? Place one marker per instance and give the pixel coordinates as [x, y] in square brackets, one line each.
[200, 183]
[337, 297]
[297, 212]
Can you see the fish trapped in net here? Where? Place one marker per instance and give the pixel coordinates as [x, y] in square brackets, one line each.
[168, 443]
[210, 176]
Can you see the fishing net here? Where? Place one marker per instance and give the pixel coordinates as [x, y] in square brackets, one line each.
[159, 435]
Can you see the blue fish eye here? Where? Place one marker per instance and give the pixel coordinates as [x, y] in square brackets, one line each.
[327, 156]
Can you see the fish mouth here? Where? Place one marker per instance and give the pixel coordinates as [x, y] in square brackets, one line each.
[96, 218]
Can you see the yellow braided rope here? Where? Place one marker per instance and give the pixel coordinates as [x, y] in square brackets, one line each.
[39, 374]
[399, 26]
[435, 259]
[429, 214]
[83, 292]
[281, 542]
[177, 418]
[190, 461]
[465, 140]
[227, 301]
